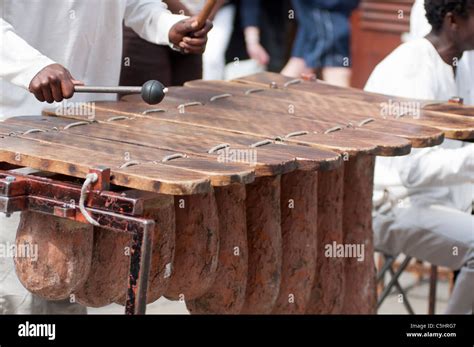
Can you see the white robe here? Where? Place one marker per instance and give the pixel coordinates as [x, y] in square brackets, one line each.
[423, 201]
[85, 36]
[444, 173]
[419, 27]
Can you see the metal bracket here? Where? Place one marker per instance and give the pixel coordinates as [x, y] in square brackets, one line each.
[103, 182]
[118, 212]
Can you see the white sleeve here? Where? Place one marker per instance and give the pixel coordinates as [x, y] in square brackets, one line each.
[151, 20]
[439, 166]
[20, 61]
[405, 81]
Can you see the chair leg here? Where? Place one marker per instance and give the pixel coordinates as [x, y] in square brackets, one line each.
[432, 294]
[406, 303]
[389, 260]
[380, 282]
[393, 280]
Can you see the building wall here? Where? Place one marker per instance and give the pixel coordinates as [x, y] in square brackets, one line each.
[377, 29]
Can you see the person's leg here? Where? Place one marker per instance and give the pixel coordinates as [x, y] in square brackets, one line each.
[336, 53]
[217, 42]
[295, 68]
[339, 76]
[462, 291]
[184, 67]
[439, 235]
[304, 44]
[143, 61]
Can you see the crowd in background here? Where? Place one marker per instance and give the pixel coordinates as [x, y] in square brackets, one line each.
[290, 36]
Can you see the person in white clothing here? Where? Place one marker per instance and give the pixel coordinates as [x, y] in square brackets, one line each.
[82, 36]
[219, 39]
[423, 201]
[419, 27]
[48, 46]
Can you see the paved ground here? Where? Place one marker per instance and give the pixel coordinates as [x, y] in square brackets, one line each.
[417, 296]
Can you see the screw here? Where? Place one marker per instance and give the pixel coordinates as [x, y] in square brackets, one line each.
[10, 179]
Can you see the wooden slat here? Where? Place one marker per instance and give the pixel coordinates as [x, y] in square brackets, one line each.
[59, 159]
[255, 113]
[241, 121]
[339, 141]
[454, 126]
[269, 163]
[345, 141]
[9, 128]
[219, 174]
[307, 158]
[302, 105]
[273, 124]
[460, 110]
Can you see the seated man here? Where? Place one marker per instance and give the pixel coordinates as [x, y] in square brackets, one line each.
[420, 27]
[423, 202]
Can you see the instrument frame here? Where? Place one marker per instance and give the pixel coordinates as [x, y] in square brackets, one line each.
[114, 211]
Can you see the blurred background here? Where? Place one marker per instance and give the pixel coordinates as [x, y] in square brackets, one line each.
[255, 35]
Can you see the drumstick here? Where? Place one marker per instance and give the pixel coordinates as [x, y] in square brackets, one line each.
[153, 92]
[203, 16]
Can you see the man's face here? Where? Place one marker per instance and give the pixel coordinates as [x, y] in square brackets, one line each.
[465, 31]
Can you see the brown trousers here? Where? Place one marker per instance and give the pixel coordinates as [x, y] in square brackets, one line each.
[143, 61]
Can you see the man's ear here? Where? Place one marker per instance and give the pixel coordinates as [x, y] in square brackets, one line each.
[451, 21]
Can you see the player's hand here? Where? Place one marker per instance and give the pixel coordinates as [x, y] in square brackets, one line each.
[257, 52]
[53, 83]
[186, 35]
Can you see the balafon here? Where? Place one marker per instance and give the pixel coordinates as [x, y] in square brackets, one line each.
[37, 330]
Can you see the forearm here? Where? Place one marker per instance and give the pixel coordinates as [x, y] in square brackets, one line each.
[440, 167]
[252, 35]
[150, 20]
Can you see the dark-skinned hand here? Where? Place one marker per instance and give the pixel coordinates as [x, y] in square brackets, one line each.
[53, 83]
[188, 37]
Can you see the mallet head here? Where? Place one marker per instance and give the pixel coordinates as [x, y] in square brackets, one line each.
[153, 92]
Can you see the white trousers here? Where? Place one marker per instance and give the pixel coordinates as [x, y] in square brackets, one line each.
[440, 235]
[14, 298]
[218, 40]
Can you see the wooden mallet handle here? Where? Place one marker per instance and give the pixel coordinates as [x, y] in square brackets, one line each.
[203, 16]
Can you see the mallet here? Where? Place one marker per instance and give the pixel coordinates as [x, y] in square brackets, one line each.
[153, 92]
[205, 12]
